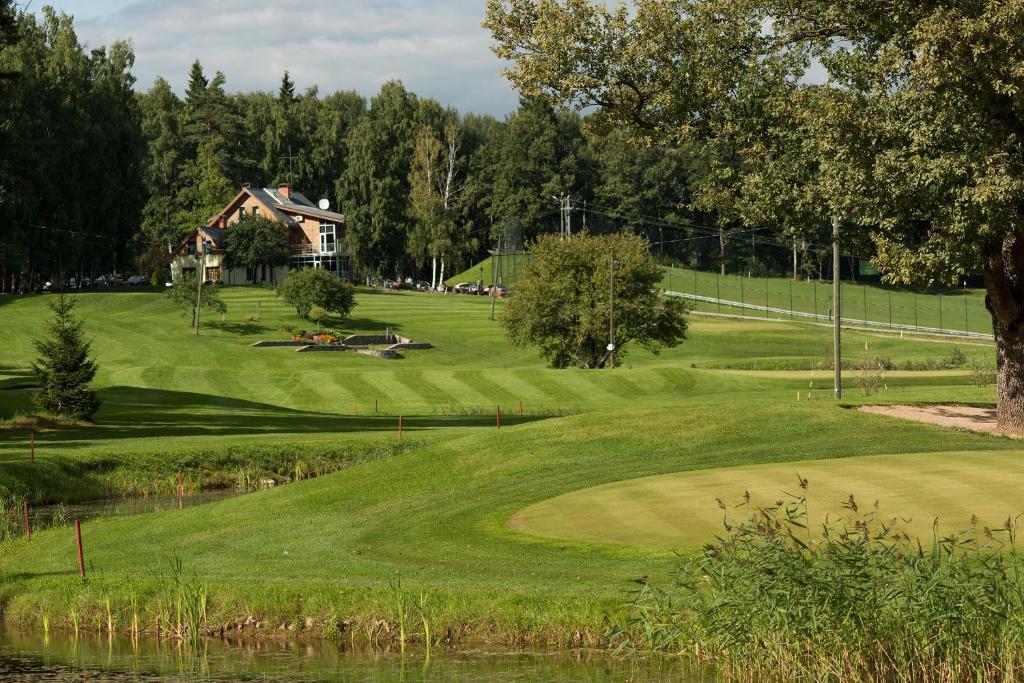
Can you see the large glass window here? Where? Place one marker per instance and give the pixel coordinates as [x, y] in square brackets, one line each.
[241, 213]
[255, 211]
[327, 245]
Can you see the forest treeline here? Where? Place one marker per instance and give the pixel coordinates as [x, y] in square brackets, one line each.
[97, 176]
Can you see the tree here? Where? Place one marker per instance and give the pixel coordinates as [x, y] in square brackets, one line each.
[563, 304]
[435, 195]
[257, 242]
[165, 154]
[916, 140]
[64, 368]
[374, 189]
[72, 149]
[192, 294]
[313, 288]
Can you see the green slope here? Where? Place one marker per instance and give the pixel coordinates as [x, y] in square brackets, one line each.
[436, 515]
[957, 310]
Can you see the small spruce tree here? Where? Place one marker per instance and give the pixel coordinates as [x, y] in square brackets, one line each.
[64, 367]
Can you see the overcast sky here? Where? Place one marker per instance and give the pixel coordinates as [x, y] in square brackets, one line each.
[436, 47]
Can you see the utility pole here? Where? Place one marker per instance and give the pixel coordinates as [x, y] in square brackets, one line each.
[568, 216]
[495, 274]
[611, 312]
[837, 313]
[200, 275]
[561, 215]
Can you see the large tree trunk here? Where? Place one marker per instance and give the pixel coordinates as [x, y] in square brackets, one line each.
[1004, 280]
[433, 274]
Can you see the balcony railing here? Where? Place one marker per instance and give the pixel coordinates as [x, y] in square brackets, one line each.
[310, 250]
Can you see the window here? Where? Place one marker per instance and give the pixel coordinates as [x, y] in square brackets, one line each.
[191, 250]
[255, 211]
[241, 213]
[327, 245]
[213, 273]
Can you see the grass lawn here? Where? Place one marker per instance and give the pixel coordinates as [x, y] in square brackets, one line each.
[436, 513]
[679, 510]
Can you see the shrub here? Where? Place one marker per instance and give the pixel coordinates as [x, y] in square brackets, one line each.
[982, 373]
[955, 359]
[311, 289]
[862, 601]
[871, 372]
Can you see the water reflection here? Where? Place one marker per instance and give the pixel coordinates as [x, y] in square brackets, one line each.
[47, 516]
[30, 657]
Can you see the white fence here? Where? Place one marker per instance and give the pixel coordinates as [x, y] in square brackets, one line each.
[852, 322]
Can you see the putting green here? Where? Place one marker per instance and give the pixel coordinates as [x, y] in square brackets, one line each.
[680, 510]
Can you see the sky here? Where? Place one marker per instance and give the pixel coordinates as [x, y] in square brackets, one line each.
[435, 47]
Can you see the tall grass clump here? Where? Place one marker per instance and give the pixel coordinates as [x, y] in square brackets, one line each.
[857, 599]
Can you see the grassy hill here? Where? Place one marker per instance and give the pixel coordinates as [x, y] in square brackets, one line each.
[956, 310]
[434, 514]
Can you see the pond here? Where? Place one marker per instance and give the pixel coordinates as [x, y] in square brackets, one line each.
[33, 657]
[47, 516]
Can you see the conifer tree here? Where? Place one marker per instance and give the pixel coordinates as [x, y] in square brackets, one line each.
[64, 367]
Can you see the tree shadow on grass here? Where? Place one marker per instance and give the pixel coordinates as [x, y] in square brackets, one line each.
[16, 377]
[239, 328]
[133, 413]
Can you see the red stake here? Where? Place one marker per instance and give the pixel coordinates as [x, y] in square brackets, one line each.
[28, 524]
[32, 447]
[520, 409]
[497, 416]
[81, 556]
[399, 427]
[375, 406]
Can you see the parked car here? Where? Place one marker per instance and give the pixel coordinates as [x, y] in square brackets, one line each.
[496, 290]
[422, 286]
[465, 288]
[136, 280]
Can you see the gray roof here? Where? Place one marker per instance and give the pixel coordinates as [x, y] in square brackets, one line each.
[295, 202]
[216, 235]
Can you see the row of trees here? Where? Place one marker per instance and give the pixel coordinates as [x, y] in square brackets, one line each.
[96, 177]
[71, 187]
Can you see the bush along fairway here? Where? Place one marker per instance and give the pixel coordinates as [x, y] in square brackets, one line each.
[429, 536]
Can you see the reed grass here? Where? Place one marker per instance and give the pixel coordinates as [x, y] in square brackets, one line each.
[859, 601]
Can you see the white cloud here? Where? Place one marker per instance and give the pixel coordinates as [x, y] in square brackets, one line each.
[436, 47]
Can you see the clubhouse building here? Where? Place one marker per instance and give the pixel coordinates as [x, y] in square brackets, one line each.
[315, 236]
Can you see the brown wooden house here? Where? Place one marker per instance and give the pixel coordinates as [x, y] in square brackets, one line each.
[315, 235]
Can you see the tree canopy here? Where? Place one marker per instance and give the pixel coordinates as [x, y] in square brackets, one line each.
[571, 305]
[915, 140]
[313, 291]
[259, 243]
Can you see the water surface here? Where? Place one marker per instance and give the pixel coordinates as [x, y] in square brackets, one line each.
[32, 657]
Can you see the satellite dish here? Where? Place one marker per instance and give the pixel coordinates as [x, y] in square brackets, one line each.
[324, 204]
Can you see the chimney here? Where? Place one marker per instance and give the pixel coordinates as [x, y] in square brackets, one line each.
[285, 190]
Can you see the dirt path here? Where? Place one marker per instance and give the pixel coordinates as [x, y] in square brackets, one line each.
[959, 417]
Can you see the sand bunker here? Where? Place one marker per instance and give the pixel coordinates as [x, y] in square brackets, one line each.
[959, 417]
